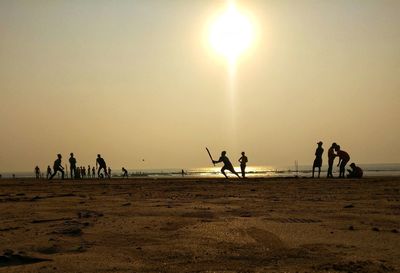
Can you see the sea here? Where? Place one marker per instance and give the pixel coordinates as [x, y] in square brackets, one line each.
[370, 170]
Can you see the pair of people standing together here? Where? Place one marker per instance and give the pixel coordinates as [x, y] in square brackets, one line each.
[333, 152]
[228, 165]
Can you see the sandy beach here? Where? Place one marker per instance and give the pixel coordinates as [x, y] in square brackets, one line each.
[200, 225]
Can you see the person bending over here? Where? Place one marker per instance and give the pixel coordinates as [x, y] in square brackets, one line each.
[227, 164]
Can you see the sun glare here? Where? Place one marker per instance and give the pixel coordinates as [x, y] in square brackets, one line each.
[231, 33]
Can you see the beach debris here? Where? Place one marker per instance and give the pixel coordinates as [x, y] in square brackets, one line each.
[349, 206]
[351, 228]
[375, 229]
[10, 259]
[126, 204]
[394, 231]
[89, 214]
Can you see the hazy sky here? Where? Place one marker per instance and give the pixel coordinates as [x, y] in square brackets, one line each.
[138, 79]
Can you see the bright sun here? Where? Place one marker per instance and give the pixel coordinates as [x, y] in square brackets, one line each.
[231, 33]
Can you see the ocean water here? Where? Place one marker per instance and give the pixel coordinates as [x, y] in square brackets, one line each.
[251, 171]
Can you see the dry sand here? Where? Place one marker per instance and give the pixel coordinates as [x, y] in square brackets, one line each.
[200, 225]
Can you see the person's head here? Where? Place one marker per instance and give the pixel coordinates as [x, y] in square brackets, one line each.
[59, 156]
[334, 144]
[72, 154]
[242, 153]
[223, 153]
[353, 165]
[337, 148]
[98, 155]
[320, 144]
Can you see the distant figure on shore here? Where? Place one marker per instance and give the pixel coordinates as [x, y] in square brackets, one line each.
[102, 165]
[344, 158]
[318, 159]
[48, 174]
[88, 171]
[331, 159]
[78, 173]
[243, 161]
[355, 171]
[227, 164]
[58, 167]
[93, 172]
[37, 172]
[183, 173]
[83, 172]
[72, 165]
[124, 172]
[109, 172]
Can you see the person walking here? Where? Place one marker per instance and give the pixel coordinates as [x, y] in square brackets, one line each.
[58, 167]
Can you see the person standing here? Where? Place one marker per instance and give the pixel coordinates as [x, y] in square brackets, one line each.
[344, 158]
[227, 164]
[37, 172]
[331, 159]
[72, 165]
[88, 171]
[58, 167]
[243, 161]
[318, 159]
[102, 165]
[93, 172]
[48, 174]
[109, 172]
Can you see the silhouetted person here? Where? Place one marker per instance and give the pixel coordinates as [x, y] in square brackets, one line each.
[343, 160]
[58, 167]
[124, 172]
[48, 174]
[355, 171]
[37, 172]
[318, 159]
[88, 171]
[83, 172]
[78, 173]
[243, 161]
[227, 164]
[72, 165]
[183, 173]
[109, 172]
[331, 159]
[102, 165]
[93, 172]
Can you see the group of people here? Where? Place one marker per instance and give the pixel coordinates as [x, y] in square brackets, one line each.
[333, 152]
[78, 172]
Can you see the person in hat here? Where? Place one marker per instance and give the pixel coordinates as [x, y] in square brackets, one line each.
[318, 159]
[344, 158]
[355, 171]
[331, 159]
[227, 164]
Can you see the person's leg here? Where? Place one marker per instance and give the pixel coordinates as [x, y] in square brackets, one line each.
[54, 174]
[98, 171]
[223, 171]
[62, 173]
[313, 170]
[243, 169]
[319, 171]
[330, 165]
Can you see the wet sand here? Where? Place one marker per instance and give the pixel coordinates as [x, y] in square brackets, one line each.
[200, 225]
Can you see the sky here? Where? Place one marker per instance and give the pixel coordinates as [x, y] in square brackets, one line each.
[136, 80]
